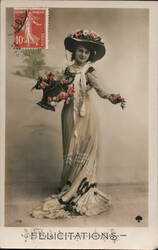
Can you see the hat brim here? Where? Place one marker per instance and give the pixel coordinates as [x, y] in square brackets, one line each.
[98, 47]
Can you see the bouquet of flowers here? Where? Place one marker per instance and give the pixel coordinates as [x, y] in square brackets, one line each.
[117, 99]
[54, 91]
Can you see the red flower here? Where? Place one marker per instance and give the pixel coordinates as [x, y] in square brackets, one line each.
[70, 90]
[78, 33]
[68, 101]
[43, 85]
[117, 97]
[50, 76]
[63, 81]
[63, 95]
[50, 98]
[94, 36]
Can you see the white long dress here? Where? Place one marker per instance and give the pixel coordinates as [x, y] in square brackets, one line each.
[79, 194]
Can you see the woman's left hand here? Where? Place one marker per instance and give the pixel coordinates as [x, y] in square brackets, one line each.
[113, 98]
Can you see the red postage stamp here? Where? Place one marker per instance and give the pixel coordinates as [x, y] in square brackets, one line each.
[30, 28]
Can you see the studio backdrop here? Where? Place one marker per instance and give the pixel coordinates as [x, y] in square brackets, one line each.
[33, 135]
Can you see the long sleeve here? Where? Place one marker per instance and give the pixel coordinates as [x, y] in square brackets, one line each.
[94, 82]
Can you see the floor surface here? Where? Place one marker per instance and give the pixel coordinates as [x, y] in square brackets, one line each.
[128, 202]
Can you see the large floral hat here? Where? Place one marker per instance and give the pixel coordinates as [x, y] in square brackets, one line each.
[90, 38]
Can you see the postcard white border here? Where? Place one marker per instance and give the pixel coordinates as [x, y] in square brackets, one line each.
[137, 238]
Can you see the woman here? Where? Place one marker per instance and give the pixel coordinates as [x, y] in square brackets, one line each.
[78, 194]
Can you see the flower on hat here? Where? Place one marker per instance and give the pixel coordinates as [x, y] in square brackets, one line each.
[77, 33]
[86, 35]
[85, 32]
[94, 36]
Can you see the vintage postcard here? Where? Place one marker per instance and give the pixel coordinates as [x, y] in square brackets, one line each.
[78, 128]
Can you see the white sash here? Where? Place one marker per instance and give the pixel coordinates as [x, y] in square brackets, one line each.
[80, 92]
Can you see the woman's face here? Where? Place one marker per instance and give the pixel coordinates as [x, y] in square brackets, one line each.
[82, 55]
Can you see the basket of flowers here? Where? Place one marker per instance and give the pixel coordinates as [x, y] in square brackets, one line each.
[54, 90]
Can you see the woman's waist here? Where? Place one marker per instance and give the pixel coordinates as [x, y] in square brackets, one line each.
[78, 102]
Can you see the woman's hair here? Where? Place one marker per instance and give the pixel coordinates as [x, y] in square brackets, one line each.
[91, 50]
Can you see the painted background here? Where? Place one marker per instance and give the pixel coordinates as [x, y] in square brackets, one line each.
[33, 135]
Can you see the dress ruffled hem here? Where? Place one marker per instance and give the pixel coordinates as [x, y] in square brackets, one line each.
[91, 203]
